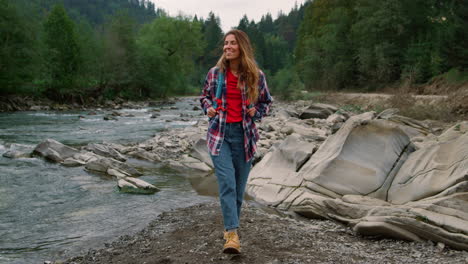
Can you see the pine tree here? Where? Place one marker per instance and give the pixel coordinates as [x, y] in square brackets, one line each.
[16, 48]
[63, 55]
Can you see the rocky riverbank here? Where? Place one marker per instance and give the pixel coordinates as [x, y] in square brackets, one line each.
[27, 103]
[194, 235]
[296, 138]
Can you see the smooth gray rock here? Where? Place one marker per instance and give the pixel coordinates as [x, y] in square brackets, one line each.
[54, 150]
[321, 111]
[370, 176]
[104, 164]
[16, 154]
[200, 152]
[264, 183]
[133, 185]
[105, 151]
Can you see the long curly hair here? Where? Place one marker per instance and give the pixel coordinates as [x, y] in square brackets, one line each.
[248, 69]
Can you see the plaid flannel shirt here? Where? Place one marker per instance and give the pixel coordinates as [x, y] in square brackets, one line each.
[217, 124]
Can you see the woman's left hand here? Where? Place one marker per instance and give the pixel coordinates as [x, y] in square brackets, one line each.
[251, 111]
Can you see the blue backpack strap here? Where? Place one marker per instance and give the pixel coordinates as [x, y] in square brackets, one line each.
[219, 89]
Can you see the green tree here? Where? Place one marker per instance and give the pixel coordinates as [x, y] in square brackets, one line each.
[119, 66]
[62, 55]
[326, 58]
[266, 25]
[381, 33]
[166, 50]
[92, 50]
[212, 36]
[17, 49]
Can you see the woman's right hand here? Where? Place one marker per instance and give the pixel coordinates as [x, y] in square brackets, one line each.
[211, 112]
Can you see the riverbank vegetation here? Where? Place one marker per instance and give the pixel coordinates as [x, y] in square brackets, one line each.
[72, 51]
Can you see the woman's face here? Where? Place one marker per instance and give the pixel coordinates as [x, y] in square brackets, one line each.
[231, 48]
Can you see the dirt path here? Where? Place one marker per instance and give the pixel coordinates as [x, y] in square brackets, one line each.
[193, 235]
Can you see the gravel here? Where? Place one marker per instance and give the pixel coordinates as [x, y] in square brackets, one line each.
[194, 235]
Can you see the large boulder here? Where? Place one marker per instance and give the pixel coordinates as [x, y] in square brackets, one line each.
[318, 110]
[275, 176]
[370, 176]
[200, 152]
[54, 150]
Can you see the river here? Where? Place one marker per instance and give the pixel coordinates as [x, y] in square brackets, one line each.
[51, 212]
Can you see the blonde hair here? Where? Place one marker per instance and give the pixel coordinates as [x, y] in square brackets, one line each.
[248, 69]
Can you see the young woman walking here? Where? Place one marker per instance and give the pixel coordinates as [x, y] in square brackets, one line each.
[235, 95]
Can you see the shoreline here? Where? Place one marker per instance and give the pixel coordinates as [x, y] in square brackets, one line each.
[194, 235]
[27, 103]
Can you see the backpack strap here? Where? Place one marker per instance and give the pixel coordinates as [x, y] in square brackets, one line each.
[217, 103]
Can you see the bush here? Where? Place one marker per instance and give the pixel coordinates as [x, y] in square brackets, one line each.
[286, 85]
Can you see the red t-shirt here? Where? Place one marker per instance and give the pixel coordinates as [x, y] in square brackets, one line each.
[233, 99]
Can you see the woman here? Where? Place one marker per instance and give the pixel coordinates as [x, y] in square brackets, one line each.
[234, 95]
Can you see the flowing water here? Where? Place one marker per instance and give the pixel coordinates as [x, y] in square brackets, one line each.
[50, 212]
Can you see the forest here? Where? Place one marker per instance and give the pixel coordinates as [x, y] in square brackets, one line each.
[72, 51]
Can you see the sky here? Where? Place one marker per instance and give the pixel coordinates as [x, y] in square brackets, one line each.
[229, 11]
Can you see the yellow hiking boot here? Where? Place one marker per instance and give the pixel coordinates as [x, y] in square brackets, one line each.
[232, 245]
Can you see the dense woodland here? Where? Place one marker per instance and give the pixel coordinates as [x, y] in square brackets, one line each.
[70, 50]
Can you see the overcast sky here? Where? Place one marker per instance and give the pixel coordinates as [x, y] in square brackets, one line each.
[229, 11]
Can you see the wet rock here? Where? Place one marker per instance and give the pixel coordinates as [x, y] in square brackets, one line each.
[54, 150]
[140, 153]
[105, 151]
[110, 118]
[71, 162]
[132, 185]
[104, 164]
[13, 154]
[195, 164]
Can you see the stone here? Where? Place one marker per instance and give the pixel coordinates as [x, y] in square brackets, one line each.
[16, 154]
[103, 164]
[431, 170]
[105, 151]
[110, 118]
[54, 150]
[142, 185]
[200, 152]
[274, 177]
[317, 110]
[71, 162]
[370, 176]
[140, 153]
[195, 164]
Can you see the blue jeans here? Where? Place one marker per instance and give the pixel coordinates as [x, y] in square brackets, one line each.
[232, 172]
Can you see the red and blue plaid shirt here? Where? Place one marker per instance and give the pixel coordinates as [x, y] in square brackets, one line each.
[217, 124]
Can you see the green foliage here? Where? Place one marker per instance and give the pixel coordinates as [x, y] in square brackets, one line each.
[62, 55]
[326, 56]
[456, 76]
[17, 48]
[96, 12]
[286, 85]
[371, 43]
[320, 45]
[212, 37]
[119, 65]
[167, 48]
